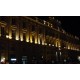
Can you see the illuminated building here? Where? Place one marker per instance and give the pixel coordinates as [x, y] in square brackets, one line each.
[31, 40]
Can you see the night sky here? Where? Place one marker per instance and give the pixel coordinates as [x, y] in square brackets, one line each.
[70, 24]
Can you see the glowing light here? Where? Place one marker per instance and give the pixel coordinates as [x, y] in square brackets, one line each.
[27, 40]
[31, 41]
[64, 60]
[13, 59]
[42, 56]
[68, 47]
[52, 61]
[48, 23]
[45, 43]
[42, 43]
[44, 22]
[10, 37]
[59, 46]
[64, 47]
[0, 34]
[49, 44]
[38, 42]
[21, 39]
[53, 45]
[3, 59]
[79, 58]
[17, 38]
[60, 53]
[56, 53]
[35, 42]
[77, 49]
[51, 26]
[7, 36]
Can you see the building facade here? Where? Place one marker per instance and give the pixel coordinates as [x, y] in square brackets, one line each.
[31, 40]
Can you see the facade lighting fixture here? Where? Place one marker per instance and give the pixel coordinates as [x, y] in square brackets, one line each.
[7, 36]
[79, 58]
[3, 59]
[53, 45]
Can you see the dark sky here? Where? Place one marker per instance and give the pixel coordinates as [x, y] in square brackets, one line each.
[70, 24]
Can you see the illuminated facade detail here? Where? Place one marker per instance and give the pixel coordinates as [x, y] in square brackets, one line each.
[17, 35]
[53, 45]
[44, 22]
[7, 36]
[2, 59]
[35, 40]
[51, 25]
[58, 43]
[45, 43]
[48, 23]
[48, 37]
[38, 40]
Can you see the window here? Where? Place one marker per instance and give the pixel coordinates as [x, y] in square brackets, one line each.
[33, 39]
[24, 59]
[33, 28]
[13, 34]
[40, 30]
[24, 25]
[40, 41]
[2, 31]
[24, 36]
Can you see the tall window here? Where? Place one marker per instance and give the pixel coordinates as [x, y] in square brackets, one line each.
[40, 41]
[2, 31]
[13, 34]
[24, 36]
[24, 25]
[40, 30]
[33, 28]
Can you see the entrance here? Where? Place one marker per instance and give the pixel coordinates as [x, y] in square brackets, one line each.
[24, 60]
